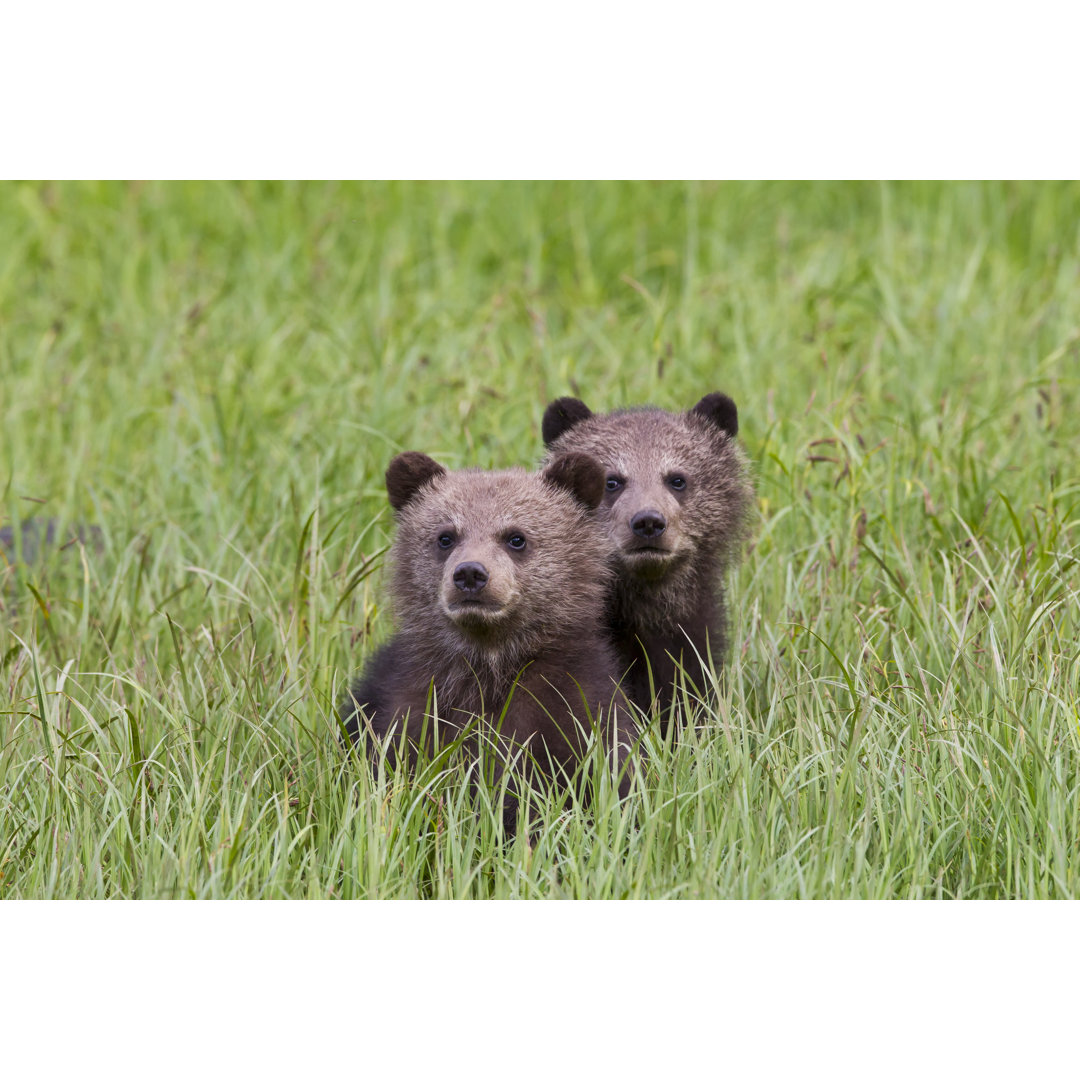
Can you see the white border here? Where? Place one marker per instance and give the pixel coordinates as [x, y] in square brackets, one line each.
[537, 989]
[581, 89]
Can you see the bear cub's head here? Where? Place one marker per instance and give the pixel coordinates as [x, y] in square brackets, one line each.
[676, 490]
[497, 558]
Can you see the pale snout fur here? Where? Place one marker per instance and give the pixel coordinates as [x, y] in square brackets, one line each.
[499, 597]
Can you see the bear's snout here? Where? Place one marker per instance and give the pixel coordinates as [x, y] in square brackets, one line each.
[648, 523]
[470, 577]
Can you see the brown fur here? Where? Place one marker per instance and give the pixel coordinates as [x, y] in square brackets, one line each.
[666, 606]
[532, 634]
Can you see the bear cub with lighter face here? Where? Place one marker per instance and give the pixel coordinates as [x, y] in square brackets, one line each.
[676, 501]
[499, 586]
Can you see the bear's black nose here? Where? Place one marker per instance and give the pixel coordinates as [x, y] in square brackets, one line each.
[648, 523]
[470, 577]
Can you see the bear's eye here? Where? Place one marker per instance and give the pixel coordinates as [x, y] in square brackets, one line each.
[676, 482]
[446, 540]
[613, 482]
[516, 541]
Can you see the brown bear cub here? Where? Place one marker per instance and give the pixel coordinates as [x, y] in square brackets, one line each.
[676, 503]
[499, 586]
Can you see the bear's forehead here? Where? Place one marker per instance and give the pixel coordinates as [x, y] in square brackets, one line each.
[480, 502]
[643, 441]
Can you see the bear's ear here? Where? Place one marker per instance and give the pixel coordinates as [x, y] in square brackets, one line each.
[720, 410]
[581, 475]
[407, 474]
[561, 415]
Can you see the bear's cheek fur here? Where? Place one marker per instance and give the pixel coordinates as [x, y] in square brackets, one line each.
[418, 575]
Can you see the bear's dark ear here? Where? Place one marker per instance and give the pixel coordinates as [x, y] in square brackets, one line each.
[580, 474]
[407, 474]
[561, 415]
[720, 410]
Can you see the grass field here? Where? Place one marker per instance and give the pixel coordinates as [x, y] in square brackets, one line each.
[215, 376]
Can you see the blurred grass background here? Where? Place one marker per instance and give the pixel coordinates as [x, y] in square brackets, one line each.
[215, 375]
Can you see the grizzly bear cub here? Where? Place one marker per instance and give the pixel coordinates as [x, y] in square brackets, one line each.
[499, 585]
[676, 502]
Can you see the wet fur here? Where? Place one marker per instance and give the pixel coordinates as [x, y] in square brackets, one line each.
[547, 651]
[665, 616]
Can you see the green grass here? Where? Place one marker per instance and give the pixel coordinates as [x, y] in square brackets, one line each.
[216, 375]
